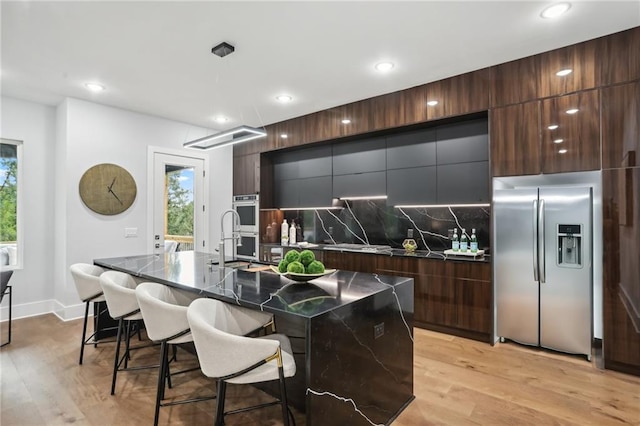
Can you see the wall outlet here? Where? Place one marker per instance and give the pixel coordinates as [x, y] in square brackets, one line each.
[378, 330]
[409, 233]
[130, 232]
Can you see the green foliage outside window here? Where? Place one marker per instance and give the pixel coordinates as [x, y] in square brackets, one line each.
[8, 195]
[179, 207]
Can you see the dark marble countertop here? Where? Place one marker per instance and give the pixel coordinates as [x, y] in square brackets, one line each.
[384, 251]
[199, 272]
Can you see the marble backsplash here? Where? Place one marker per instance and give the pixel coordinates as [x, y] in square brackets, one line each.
[373, 222]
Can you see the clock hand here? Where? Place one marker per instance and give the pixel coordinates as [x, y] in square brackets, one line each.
[114, 194]
[111, 186]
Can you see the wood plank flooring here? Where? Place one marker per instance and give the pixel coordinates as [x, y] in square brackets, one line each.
[456, 382]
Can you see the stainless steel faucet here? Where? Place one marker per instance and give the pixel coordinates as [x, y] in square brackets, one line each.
[235, 234]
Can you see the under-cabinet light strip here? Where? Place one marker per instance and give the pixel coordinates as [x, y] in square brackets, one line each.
[439, 205]
[366, 197]
[312, 208]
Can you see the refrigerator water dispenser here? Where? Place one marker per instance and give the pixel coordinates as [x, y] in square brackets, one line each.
[570, 246]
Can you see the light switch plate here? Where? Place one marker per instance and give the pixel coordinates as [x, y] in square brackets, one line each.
[130, 232]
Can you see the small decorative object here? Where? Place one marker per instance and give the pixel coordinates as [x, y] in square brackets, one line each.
[410, 245]
[301, 277]
[107, 189]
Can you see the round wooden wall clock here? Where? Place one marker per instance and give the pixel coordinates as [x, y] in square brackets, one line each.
[107, 189]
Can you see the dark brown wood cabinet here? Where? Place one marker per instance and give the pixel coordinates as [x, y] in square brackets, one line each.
[246, 174]
[515, 139]
[579, 58]
[619, 57]
[621, 126]
[575, 144]
[358, 262]
[514, 82]
[449, 296]
[621, 287]
[459, 95]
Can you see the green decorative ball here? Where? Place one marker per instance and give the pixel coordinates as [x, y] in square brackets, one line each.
[296, 267]
[315, 267]
[306, 257]
[282, 266]
[292, 256]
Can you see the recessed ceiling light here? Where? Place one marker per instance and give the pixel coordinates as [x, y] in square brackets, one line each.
[572, 111]
[555, 10]
[384, 66]
[564, 72]
[432, 103]
[221, 119]
[284, 98]
[284, 136]
[558, 140]
[346, 121]
[562, 151]
[94, 87]
[553, 127]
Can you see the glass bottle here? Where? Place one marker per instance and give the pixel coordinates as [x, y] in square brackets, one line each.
[463, 241]
[284, 233]
[455, 243]
[474, 241]
[292, 233]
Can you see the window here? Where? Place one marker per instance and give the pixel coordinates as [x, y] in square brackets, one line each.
[10, 226]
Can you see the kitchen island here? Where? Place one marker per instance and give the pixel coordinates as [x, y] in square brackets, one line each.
[351, 332]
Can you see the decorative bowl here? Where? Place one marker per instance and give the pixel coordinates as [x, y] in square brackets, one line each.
[301, 277]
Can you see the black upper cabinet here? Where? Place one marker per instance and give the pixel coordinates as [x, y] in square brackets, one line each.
[463, 142]
[360, 184]
[305, 163]
[463, 183]
[286, 193]
[411, 149]
[368, 155]
[416, 185]
[314, 192]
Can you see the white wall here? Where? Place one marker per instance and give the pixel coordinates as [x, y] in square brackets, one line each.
[81, 134]
[34, 124]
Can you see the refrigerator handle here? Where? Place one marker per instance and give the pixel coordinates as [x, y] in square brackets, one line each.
[535, 240]
[541, 242]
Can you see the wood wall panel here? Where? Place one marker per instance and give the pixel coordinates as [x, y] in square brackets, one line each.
[515, 139]
[581, 58]
[580, 133]
[246, 174]
[459, 95]
[621, 269]
[621, 126]
[514, 82]
[619, 57]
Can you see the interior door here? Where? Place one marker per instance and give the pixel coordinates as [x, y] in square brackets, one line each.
[179, 214]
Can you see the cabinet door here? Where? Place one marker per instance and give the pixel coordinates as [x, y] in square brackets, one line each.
[440, 301]
[580, 58]
[462, 142]
[575, 144]
[621, 126]
[314, 192]
[246, 174]
[412, 149]
[286, 193]
[411, 186]
[473, 302]
[360, 185]
[464, 183]
[515, 140]
[359, 156]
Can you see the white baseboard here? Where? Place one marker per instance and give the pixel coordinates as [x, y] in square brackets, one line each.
[25, 310]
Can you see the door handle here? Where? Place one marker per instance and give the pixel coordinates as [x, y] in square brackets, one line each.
[541, 243]
[535, 240]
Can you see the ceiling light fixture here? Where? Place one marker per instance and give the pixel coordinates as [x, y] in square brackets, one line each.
[227, 137]
[555, 10]
[562, 151]
[558, 140]
[223, 49]
[432, 103]
[572, 111]
[94, 87]
[284, 98]
[384, 66]
[221, 119]
[564, 72]
[346, 121]
[553, 127]
[284, 136]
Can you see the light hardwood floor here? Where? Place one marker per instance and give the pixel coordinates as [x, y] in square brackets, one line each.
[456, 382]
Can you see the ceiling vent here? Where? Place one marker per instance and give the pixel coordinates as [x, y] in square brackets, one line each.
[223, 49]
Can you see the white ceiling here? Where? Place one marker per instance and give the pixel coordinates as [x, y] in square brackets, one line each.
[155, 57]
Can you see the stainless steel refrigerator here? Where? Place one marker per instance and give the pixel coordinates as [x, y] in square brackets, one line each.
[542, 250]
